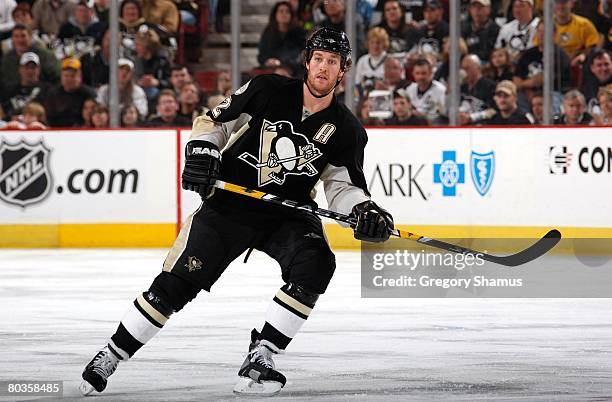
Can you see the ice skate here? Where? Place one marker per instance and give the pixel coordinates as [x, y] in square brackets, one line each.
[96, 373]
[258, 375]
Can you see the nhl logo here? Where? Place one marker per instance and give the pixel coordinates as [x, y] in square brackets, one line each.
[25, 178]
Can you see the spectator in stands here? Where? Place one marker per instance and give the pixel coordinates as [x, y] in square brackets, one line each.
[96, 69]
[364, 114]
[394, 75]
[6, 17]
[604, 117]
[601, 70]
[131, 22]
[480, 31]
[576, 35]
[22, 15]
[22, 43]
[518, 34]
[529, 73]
[29, 87]
[179, 76]
[79, 23]
[88, 107]
[427, 95]
[224, 84]
[476, 92]
[401, 34]
[100, 117]
[101, 10]
[403, 113]
[50, 15]
[442, 70]
[161, 12]
[506, 101]
[64, 101]
[33, 118]
[537, 108]
[152, 70]
[434, 29]
[370, 66]
[283, 40]
[574, 110]
[167, 112]
[500, 66]
[336, 15]
[189, 102]
[130, 117]
[603, 23]
[129, 92]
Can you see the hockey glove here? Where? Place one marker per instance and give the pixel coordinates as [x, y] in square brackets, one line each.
[202, 164]
[374, 224]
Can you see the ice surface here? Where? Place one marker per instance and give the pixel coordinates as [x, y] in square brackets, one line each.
[59, 307]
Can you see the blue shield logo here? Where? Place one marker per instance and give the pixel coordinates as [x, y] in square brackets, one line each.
[482, 167]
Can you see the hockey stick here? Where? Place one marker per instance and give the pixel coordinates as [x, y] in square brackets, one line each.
[539, 248]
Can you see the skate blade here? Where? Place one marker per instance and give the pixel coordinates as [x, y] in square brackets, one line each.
[248, 386]
[86, 388]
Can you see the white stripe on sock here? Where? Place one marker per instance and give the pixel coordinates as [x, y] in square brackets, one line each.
[138, 325]
[284, 320]
[123, 353]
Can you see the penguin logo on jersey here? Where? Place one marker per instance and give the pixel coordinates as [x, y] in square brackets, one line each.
[282, 152]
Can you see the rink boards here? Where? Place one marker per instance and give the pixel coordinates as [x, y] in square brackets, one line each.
[118, 188]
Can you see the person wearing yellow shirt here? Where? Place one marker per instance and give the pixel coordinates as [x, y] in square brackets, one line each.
[576, 35]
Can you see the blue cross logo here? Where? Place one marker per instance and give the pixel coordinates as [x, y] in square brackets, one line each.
[449, 173]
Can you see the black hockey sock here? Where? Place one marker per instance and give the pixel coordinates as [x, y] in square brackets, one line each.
[288, 311]
[143, 320]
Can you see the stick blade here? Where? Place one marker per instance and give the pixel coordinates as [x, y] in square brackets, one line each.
[536, 250]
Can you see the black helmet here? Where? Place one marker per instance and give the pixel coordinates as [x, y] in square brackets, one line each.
[330, 40]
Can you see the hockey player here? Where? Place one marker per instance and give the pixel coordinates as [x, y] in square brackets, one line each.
[280, 135]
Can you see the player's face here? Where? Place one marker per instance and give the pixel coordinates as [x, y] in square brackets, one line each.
[323, 71]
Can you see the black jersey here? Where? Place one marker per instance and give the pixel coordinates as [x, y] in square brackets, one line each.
[266, 144]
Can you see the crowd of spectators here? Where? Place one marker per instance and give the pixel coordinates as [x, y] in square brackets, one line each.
[55, 60]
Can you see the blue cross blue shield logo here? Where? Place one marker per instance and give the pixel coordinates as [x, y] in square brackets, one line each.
[482, 167]
[449, 173]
